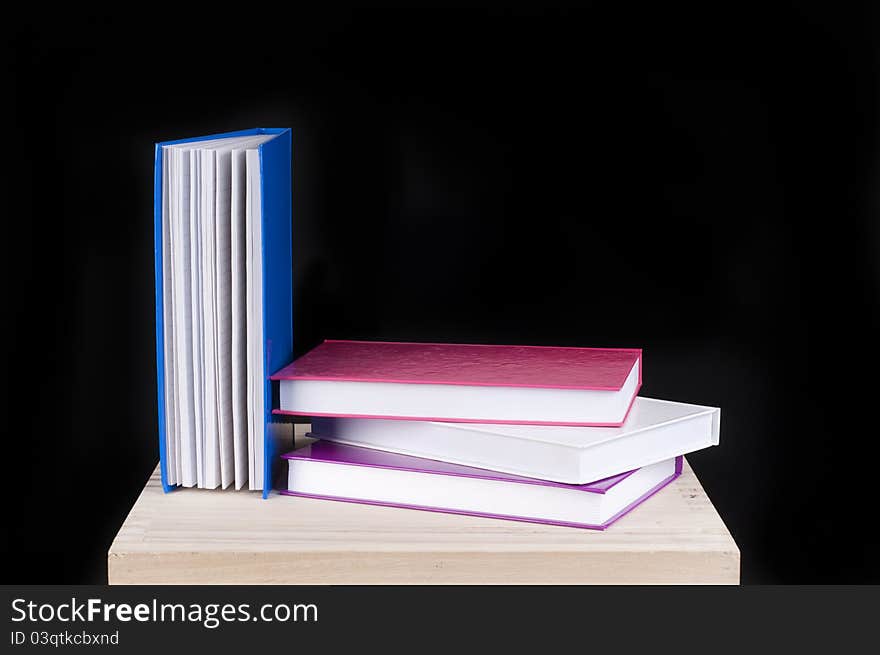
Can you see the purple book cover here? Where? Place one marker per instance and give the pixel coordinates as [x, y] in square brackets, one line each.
[344, 455]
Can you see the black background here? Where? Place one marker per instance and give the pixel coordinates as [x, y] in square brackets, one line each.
[699, 184]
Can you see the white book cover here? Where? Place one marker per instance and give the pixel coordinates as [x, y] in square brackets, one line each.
[654, 431]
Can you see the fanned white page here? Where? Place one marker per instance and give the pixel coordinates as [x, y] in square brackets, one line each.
[255, 377]
[198, 351]
[249, 308]
[212, 311]
[183, 332]
[172, 466]
[223, 305]
[207, 219]
[241, 452]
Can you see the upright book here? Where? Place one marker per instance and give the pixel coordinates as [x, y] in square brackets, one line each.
[536, 385]
[655, 430]
[332, 471]
[223, 303]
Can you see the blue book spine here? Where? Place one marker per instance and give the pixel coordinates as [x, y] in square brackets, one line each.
[277, 255]
[160, 323]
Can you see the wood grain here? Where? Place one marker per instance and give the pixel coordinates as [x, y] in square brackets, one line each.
[227, 537]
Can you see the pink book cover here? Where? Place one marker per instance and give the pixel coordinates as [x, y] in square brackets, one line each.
[547, 367]
[344, 455]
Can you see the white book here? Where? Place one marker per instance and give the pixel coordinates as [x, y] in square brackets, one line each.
[654, 431]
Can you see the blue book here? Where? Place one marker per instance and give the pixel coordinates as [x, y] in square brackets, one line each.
[224, 304]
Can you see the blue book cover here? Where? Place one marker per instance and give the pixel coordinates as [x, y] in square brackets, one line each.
[277, 283]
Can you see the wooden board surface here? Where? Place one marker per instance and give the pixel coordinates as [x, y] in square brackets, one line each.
[227, 537]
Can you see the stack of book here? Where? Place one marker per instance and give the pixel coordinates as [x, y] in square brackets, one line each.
[530, 433]
[527, 433]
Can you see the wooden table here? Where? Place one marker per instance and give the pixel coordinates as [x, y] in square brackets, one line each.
[228, 537]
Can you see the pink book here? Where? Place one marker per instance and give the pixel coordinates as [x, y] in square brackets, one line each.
[538, 385]
[332, 471]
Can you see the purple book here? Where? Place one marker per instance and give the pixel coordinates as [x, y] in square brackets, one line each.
[334, 471]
